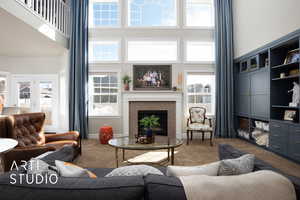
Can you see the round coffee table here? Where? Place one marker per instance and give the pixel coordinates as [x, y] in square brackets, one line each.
[6, 144]
[126, 143]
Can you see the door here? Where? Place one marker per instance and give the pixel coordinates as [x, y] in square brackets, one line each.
[37, 93]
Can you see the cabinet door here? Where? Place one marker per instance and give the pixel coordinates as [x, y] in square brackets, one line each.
[242, 94]
[279, 133]
[260, 106]
[260, 98]
[294, 143]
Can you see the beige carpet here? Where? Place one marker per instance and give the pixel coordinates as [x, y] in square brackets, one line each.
[95, 155]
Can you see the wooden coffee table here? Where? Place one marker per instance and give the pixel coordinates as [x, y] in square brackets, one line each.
[126, 143]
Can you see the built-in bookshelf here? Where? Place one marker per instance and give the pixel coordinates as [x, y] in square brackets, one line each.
[263, 79]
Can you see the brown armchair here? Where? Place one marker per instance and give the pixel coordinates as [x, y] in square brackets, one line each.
[28, 130]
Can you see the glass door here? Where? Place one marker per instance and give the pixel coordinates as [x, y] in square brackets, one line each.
[38, 94]
[4, 79]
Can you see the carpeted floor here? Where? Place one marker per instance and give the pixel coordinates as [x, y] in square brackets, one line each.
[95, 155]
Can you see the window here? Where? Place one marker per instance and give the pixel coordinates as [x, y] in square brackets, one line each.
[200, 51]
[200, 90]
[152, 51]
[149, 13]
[104, 13]
[104, 51]
[3, 89]
[104, 94]
[199, 13]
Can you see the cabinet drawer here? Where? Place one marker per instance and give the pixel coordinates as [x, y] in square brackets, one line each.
[294, 143]
[278, 146]
[278, 129]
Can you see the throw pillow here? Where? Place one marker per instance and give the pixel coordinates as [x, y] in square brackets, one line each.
[66, 169]
[134, 170]
[241, 165]
[37, 166]
[210, 169]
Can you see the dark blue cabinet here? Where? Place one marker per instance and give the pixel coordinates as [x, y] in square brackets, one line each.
[294, 142]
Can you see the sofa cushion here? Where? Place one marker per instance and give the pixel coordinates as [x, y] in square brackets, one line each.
[112, 188]
[37, 166]
[163, 187]
[210, 169]
[134, 170]
[64, 154]
[237, 166]
[226, 151]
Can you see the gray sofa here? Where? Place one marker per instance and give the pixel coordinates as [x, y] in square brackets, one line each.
[151, 187]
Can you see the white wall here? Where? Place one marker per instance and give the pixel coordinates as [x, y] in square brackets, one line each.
[258, 22]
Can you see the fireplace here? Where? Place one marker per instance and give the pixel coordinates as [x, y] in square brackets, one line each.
[165, 110]
[163, 121]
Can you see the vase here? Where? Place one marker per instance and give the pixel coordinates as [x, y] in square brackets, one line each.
[126, 86]
[149, 132]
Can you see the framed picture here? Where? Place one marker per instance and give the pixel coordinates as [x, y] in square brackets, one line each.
[290, 115]
[292, 56]
[152, 77]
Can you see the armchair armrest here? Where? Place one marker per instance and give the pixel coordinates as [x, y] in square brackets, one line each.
[19, 154]
[71, 135]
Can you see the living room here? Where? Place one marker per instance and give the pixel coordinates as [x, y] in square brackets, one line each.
[149, 99]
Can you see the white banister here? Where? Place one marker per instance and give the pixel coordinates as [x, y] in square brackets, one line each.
[53, 12]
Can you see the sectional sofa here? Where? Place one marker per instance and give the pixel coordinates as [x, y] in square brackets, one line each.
[151, 187]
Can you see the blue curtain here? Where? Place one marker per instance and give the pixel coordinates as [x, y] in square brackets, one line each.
[78, 82]
[224, 69]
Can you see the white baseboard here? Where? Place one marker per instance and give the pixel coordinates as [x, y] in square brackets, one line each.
[96, 135]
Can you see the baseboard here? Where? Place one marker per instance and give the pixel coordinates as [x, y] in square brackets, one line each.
[96, 135]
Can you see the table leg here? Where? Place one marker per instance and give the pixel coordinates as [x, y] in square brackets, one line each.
[116, 154]
[168, 154]
[172, 156]
[123, 153]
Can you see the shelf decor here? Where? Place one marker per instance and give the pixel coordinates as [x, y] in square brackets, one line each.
[296, 95]
[289, 115]
[292, 56]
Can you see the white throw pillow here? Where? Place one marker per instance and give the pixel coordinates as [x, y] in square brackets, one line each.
[210, 169]
[237, 166]
[134, 170]
[70, 170]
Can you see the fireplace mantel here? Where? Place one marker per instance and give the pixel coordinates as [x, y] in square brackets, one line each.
[153, 96]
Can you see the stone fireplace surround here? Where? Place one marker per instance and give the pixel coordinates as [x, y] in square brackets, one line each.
[152, 100]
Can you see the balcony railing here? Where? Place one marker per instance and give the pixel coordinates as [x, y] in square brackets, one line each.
[56, 13]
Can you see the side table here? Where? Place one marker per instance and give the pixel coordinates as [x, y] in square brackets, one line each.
[6, 144]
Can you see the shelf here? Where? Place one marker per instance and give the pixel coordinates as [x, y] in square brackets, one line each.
[284, 107]
[287, 77]
[286, 65]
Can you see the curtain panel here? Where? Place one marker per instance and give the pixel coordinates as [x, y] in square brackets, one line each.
[78, 71]
[224, 69]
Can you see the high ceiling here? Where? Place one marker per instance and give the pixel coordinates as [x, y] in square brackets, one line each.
[20, 39]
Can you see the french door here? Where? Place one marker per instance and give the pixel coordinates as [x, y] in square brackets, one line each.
[37, 93]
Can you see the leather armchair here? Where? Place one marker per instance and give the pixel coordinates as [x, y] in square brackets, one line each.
[28, 130]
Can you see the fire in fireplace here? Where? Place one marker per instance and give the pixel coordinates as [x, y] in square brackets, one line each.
[162, 130]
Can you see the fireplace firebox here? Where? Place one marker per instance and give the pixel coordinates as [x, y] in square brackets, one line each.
[162, 130]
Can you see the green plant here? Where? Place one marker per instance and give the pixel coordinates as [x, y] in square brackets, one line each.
[150, 122]
[126, 79]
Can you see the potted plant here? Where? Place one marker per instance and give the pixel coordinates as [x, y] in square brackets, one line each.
[126, 80]
[149, 123]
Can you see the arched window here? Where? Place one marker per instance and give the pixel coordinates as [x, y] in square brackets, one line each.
[198, 88]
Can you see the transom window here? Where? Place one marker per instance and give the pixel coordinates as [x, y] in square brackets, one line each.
[152, 51]
[104, 13]
[200, 91]
[199, 13]
[152, 13]
[104, 94]
[197, 51]
[104, 51]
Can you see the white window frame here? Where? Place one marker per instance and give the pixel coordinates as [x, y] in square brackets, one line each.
[8, 85]
[118, 40]
[197, 62]
[177, 40]
[119, 101]
[184, 20]
[91, 16]
[176, 26]
[213, 90]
